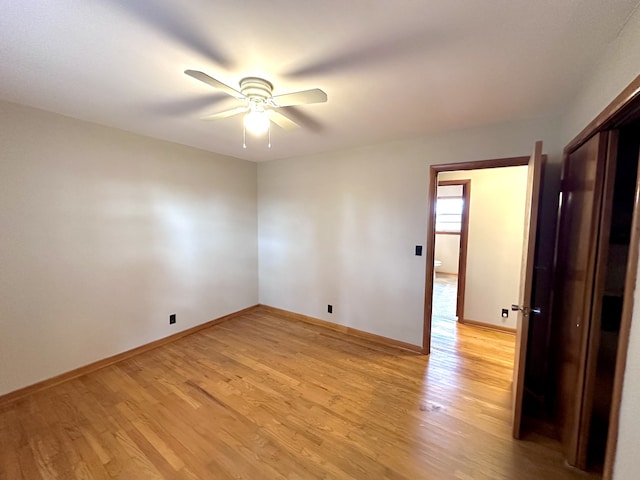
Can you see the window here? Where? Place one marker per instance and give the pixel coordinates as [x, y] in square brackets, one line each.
[449, 207]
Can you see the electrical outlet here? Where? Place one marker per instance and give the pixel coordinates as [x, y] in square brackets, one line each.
[172, 319]
[330, 308]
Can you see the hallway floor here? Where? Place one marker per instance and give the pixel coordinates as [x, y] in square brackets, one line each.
[445, 290]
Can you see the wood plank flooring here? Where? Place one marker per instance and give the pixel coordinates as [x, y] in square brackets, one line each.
[260, 397]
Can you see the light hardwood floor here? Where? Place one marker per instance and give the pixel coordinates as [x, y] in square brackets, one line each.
[260, 397]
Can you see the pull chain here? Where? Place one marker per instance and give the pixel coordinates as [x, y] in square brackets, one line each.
[269, 130]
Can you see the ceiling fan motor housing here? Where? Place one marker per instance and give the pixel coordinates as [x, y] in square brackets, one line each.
[256, 89]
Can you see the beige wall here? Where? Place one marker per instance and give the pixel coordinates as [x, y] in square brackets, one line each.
[108, 233]
[340, 228]
[494, 250]
[105, 233]
[447, 251]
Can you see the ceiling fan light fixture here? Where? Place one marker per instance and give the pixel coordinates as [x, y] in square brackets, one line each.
[260, 107]
[257, 122]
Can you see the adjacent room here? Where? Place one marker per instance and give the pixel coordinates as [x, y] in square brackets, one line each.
[269, 240]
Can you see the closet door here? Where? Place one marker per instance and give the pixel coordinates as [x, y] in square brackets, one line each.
[595, 324]
[578, 232]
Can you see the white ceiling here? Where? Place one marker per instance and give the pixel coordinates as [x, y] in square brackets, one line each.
[392, 68]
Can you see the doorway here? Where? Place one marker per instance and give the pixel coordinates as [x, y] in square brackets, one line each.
[524, 308]
[451, 240]
[488, 280]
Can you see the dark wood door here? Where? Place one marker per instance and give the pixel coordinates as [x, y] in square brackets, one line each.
[578, 231]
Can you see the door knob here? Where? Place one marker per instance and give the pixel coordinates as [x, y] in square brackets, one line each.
[526, 310]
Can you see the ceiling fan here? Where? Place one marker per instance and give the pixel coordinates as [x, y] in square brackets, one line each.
[260, 105]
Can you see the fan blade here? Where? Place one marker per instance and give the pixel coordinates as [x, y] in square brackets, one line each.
[282, 121]
[226, 113]
[190, 105]
[173, 23]
[409, 45]
[302, 118]
[203, 77]
[300, 98]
